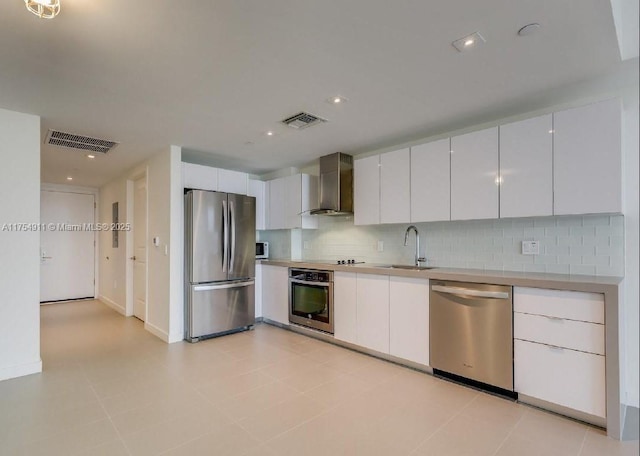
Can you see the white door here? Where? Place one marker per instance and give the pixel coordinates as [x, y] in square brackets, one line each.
[140, 249]
[66, 246]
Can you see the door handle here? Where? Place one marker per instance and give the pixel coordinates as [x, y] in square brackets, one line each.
[133, 258]
[232, 216]
[223, 286]
[225, 237]
[470, 292]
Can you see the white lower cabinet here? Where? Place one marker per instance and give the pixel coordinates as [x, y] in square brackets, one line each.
[559, 348]
[344, 307]
[258, 290]
[565, 377]
[372, 308]
[409, 319]
[275, 293]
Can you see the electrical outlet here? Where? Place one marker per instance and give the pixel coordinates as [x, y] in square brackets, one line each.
[380, 246]
[530, 247]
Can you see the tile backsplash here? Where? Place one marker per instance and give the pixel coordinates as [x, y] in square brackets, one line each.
[590, 244]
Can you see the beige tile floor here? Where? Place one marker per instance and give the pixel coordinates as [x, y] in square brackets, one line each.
[111, 388]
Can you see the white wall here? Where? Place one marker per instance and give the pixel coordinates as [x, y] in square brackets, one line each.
[164, 266]
[112, 261]
[629, 314]
[19, 250]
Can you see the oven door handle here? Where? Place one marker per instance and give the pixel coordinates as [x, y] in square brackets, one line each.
[306, 282]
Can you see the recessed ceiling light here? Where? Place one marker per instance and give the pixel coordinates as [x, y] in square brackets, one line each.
[551, 131]
[338, 99]
[269, 133]
[468, 42]
[529, 29]
[91, 156]
[69, 178]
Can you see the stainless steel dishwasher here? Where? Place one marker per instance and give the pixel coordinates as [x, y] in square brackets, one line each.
[471, 332]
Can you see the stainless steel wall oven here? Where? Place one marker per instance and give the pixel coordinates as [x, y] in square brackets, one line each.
[311, 298]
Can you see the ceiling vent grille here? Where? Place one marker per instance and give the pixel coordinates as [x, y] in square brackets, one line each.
[72, 141]
[303, 120]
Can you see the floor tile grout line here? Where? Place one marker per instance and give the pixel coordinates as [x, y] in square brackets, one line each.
[112, 424]
[584, 442]
[510, 433]
[439, 428]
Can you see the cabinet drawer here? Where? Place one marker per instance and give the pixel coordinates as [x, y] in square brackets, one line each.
[576, 335]
[571, 305]
[565, 377]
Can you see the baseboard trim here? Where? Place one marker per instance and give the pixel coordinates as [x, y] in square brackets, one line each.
[20, 370]
[631, 424]
[176, 338]
[114, 305]
[157, 332]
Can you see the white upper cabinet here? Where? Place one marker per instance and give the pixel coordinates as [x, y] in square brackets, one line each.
[214, 179]
[258, 189]
[232, 181]
[276, 203]
[395, 187]
[199, 177]
[430, 179]
[310, 200]
[474, 175]
[366, 189]
[526, 168]
[587, 159]
[289, 198]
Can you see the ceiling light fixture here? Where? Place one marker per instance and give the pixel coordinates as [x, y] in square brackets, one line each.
[468, 42]
[337, 100]
[91, 156]
[529, 29]
[269, 133]
[44, 9]
[69, 178]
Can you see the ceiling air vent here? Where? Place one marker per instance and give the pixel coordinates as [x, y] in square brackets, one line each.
[303, 120]
[72, 141]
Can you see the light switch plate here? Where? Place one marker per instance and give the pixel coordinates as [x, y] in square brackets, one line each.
[530, 247]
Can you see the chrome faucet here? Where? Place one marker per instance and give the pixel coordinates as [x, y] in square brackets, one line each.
[418, 258]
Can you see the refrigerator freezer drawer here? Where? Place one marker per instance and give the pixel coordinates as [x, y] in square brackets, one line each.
[219, 308]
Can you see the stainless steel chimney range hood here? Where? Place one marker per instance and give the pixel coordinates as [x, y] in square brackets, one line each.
[336, 185]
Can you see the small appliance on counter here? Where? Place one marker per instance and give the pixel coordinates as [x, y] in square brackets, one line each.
[220, 233]
[262, 250]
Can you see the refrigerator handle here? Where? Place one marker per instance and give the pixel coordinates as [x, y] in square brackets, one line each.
[225, 237]
[232, 216]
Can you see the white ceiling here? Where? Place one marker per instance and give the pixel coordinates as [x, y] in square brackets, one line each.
[212, 76]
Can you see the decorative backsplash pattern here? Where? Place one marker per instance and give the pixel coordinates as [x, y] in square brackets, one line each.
[591, 244]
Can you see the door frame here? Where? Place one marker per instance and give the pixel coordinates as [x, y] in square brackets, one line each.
[129, 242]
[44, 187]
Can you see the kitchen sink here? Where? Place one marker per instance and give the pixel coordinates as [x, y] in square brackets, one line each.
[408, 267]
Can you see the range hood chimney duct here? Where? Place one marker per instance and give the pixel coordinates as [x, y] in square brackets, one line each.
[336, 185]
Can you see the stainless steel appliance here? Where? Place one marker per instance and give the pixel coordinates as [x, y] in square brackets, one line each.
[220, 236]
[471, 331]
[311, 298]
[262, 250]
[336, 185]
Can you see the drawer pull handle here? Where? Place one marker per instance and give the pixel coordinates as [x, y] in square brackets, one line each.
[556, 319]
[556, 349]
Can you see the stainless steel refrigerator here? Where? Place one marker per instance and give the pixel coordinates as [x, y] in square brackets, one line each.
[220, 239]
